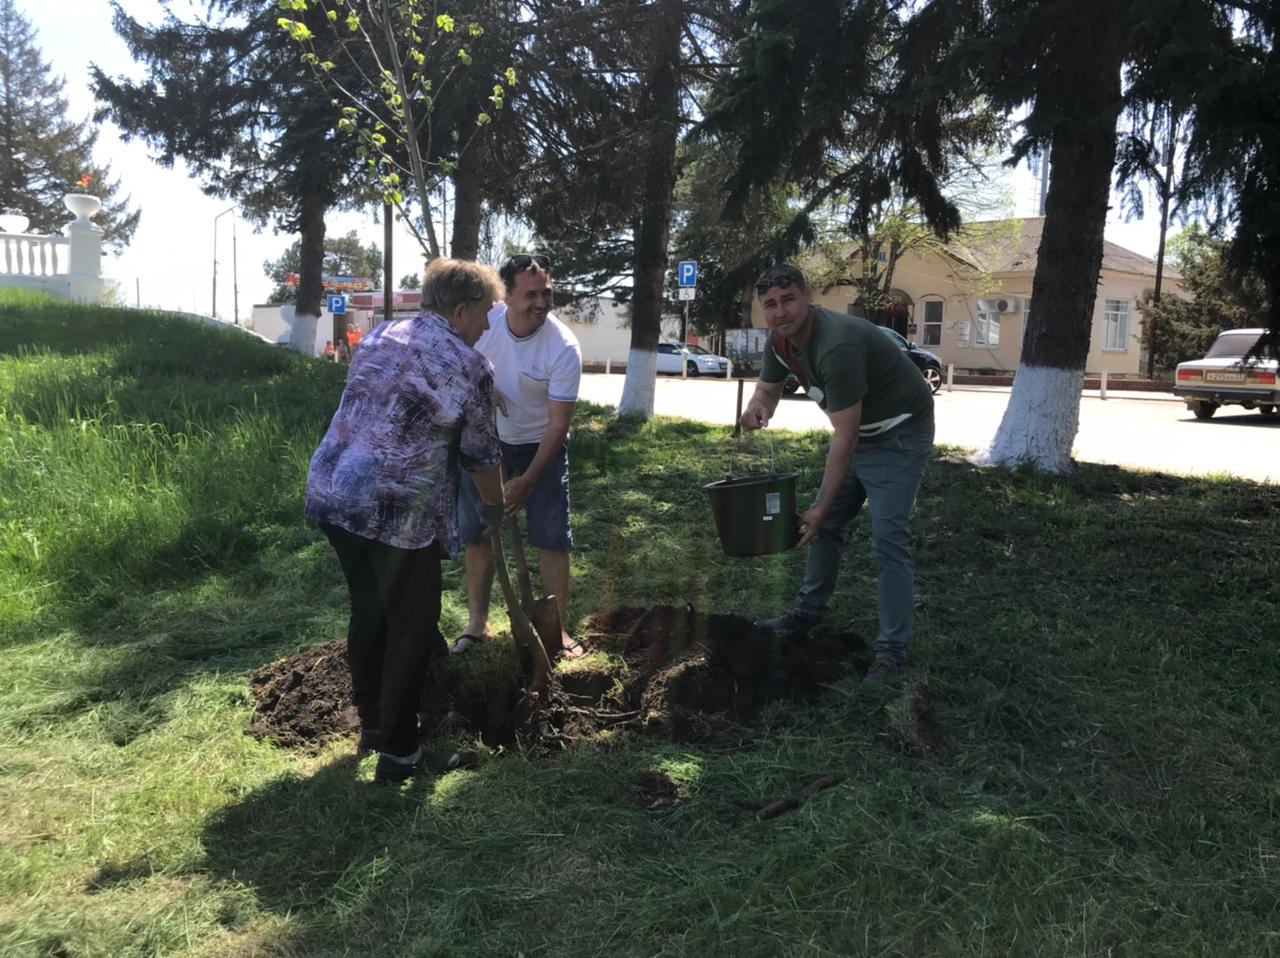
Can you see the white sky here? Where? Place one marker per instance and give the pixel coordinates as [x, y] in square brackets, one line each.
[169, 262]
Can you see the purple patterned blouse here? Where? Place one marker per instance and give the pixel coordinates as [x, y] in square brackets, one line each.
[418, 407]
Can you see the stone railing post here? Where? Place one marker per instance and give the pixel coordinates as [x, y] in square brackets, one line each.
[84, 261]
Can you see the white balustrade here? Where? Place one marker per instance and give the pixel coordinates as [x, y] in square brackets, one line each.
[68, 266]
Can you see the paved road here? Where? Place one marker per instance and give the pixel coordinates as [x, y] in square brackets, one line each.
[1143, 430]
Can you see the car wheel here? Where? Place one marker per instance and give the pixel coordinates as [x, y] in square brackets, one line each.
[1204, 410]
[693, 369]
[933, 376]
[1268, 410]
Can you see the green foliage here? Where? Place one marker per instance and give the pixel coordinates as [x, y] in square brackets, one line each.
[343, 256]
[413, 106]
[45, 153]
[1111, 782]
[223, 91]
[1220, 299]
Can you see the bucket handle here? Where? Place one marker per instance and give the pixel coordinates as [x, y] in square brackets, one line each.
[773, 462]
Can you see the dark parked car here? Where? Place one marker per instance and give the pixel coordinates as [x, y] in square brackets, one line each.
[929, 364]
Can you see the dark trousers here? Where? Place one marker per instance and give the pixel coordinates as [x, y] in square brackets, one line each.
[394, 631]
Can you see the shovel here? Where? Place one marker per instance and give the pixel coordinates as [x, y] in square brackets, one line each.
[533, 653]
[544, 613]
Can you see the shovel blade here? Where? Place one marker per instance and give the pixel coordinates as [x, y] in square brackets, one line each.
[545, 616]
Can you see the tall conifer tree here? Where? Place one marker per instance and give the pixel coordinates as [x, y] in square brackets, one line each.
[44, 153]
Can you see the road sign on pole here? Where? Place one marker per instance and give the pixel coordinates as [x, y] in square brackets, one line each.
[687, 292]
[687, 273]
[337, 304]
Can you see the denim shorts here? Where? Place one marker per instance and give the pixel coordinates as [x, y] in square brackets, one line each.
[546, 511]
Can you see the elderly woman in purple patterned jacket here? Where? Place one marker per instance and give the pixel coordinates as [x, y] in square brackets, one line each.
[418, 410]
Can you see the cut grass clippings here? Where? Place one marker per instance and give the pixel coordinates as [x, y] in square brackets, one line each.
[1086, 760]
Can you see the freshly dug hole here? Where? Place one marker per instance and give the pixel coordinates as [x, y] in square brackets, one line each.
[665, 670]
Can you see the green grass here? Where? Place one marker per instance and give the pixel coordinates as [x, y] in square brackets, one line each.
[1101, 652]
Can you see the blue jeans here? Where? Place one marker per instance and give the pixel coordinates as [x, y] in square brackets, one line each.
[887, 475]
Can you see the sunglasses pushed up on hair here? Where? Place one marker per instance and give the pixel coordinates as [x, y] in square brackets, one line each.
[782, 282]
[523, 261]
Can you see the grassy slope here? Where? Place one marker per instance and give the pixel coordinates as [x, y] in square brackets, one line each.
[1101, 651]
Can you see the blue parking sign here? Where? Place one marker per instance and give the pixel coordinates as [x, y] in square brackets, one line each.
[337, 304]
[687, 272]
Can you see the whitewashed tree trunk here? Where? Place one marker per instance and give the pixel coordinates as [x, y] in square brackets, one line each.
[302, 334]
[638, 387]
[1041, 420]
[1040, 423]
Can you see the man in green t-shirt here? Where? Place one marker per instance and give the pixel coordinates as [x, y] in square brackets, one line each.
[882, 412]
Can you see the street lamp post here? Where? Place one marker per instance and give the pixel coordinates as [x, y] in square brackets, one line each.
[213, 306]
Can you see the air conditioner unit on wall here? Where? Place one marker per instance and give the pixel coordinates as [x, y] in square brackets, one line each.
[1006, 304]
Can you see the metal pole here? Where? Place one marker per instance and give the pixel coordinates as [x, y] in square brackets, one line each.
[387, 293]
[235, 273]
[213, 300]
[213, 303]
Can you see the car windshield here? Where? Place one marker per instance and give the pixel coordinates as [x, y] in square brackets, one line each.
[895, 336]
[697, 350]
[1232, 346]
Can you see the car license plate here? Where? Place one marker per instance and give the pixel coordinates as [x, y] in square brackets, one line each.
[1217, 377]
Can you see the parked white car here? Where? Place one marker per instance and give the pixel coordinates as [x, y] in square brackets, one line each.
[1227, 376]
[673, 357]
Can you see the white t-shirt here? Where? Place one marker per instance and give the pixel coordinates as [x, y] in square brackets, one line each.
[528, 372]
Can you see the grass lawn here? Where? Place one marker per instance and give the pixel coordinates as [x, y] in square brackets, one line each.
[1101, 651]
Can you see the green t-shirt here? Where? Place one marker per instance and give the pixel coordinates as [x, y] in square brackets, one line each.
[848, 360]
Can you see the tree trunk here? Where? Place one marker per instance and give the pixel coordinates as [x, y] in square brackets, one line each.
[1166, 194]
[655, 223]
[1043, 415]
[314, 203]
[468, 207]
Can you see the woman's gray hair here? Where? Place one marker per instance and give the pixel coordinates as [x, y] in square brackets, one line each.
[450, 283]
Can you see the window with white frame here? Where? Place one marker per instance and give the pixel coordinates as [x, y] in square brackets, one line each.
[1026, 321]
[932, 323]
[988, 324]
[1115, 326]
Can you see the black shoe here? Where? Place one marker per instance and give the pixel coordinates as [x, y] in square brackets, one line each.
[885, 672]
[370, 741]
[789, 623]
[427, 762]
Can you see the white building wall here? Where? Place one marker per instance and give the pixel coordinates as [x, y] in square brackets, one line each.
[276, 324]
[603, 328]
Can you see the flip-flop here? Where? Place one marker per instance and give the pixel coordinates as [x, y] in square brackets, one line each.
[469, 639]
[573, 649]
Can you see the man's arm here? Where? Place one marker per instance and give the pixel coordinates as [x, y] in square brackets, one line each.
[761, 406]
[489, 485]
[839, 455]
[518, 490]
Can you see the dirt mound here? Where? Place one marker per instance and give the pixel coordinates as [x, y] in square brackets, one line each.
[669, 670]
[305, 700]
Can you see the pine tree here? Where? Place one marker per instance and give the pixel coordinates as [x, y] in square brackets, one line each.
[44, 154]
[227, 94]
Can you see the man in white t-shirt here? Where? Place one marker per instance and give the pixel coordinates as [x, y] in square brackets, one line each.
[537, 367]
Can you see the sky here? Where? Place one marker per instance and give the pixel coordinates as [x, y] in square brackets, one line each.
[170, 260]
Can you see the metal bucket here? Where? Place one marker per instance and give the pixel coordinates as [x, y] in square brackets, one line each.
[755, 515]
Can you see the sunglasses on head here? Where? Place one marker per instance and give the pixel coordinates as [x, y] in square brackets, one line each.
[522, 261]
[782, 282]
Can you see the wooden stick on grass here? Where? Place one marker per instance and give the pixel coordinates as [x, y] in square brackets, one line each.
[794, 801]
